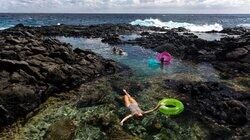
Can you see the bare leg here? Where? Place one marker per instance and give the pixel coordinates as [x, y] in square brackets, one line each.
[126, 100]
[131, 99]
[151, 110]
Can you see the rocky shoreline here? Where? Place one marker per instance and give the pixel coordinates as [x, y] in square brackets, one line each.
[230, 55]
[34, 66]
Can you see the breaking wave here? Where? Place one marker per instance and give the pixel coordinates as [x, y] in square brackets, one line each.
[172, 24]
[246, 25]
[2, 28]
[5, 27]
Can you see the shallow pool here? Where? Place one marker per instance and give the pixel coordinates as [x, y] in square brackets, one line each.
[137, 58]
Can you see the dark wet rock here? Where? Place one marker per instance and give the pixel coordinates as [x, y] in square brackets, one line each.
[63, 129]
[90, 98]
[12, 40]
[38, 49]
[87, 31]
[33, 67]
[9, 54]
[215, 100]
[180, 29]
[192, 35]
[19, 26]
[237, 53]
[112, 39]
[234, 31]
[144, 33]
[213, 31]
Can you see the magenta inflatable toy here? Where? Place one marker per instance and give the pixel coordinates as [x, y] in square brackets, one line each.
[165, 56]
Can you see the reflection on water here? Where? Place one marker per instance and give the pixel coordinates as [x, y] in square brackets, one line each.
[137, 58]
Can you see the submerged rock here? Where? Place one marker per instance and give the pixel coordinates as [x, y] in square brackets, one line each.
[61, 130]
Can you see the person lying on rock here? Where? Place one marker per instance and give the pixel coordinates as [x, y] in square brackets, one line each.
[134, 107]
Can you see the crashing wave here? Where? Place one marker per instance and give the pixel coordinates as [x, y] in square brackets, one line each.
[171, 24]
[2, 28]
[246, 25]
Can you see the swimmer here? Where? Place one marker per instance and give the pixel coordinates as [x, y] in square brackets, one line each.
[117, 50]
[134, 107]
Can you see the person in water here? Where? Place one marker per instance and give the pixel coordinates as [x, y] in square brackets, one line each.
[114, 49]
[117, 50]
[134, 107]
[162, 63]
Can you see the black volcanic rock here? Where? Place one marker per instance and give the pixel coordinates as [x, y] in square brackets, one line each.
[112, 39]
[33, 67]
[234, 31]
[215, 100]
[180, 29]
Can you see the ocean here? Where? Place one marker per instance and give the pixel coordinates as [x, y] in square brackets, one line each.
[194, 22]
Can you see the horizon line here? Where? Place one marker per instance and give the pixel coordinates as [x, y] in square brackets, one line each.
[122, 13]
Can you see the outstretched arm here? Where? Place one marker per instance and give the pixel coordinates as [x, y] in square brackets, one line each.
[151, 110]
[126, 118]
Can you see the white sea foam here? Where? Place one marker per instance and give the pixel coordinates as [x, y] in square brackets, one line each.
[5, 27]
[246, 25]
[172, 24]
[2, 28]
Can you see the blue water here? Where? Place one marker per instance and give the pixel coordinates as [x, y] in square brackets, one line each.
[9, 20]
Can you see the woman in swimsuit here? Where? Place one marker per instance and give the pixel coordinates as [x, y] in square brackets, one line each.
[134, 107]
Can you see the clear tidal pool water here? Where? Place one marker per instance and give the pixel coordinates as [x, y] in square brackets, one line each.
[137, 58]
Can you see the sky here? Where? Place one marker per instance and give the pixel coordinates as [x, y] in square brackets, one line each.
[125, 6]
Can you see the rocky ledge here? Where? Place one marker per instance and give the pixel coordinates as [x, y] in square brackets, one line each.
[34, 67]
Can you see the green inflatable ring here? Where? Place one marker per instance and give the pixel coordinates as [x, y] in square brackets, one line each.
[170, 106]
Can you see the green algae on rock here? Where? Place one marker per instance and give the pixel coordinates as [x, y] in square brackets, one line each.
[63, 129]
[101, 120]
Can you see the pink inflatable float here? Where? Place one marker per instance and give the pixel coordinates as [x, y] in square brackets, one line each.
[164, 57]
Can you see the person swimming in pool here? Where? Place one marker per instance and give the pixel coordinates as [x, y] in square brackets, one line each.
[134, 107]
[117, 50]
[162, 63]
